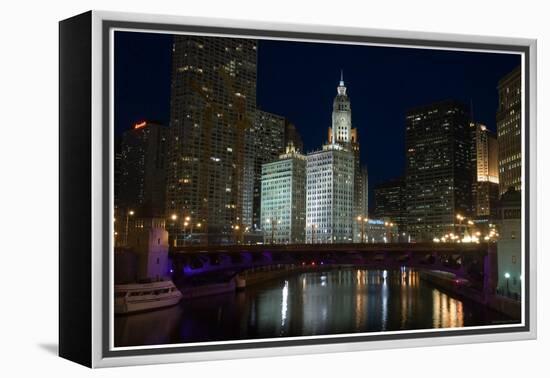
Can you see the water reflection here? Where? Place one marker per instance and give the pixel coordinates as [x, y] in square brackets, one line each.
[448, 312]
[315, 303]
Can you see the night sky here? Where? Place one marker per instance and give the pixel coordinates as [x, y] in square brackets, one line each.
[299, 80]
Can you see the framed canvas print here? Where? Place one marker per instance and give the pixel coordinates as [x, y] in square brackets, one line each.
[234, 189]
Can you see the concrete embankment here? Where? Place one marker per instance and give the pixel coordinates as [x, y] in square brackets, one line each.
[506, 306]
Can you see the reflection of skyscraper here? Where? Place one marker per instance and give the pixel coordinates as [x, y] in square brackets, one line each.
[509, 131]
[264, 143]
[331, 197]
[213, 103]
[141, 170]
[439, 174]
[485, 164]
[283, 200]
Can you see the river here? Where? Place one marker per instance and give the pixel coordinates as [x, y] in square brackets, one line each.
[313, 303]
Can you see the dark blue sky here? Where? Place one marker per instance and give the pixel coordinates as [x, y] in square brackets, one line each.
[298, 81]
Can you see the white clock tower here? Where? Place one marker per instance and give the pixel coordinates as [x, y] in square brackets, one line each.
[341, 115]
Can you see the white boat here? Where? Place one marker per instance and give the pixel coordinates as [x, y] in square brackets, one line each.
[137, 297]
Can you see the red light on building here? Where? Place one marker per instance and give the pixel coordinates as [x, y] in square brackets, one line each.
[140, 125]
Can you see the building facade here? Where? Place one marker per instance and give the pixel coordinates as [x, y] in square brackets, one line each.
[213, 104]
[509, 131]
[509, 244]
[389, 202]
[345, 135]
[283, 198]
[485, 188]
[329, 199]
[365, 191]
[380, 231]
[438, 171]
[140, 170]
[264, 144]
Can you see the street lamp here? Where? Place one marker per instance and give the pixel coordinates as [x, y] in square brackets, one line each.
[362, 220]
[389, 236]
[128, 214]
[507, 276]
[236, 228]
[185, 224]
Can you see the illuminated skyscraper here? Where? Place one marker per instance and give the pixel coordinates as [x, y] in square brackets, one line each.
[330, 203]
[509, 131]
[329, 200]
[485, 164]
[438, 172]
[213, 104]
[141, 170]
[264, 144]
[389, 201]
[342, 133]
[283, 200]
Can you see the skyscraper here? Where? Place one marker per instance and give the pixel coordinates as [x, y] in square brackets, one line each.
[264, 143]
[329, 200]
[331, 197]
[438, 172]
[389, 202]
[342, 133]
[283, 200]
[485, 163]
[213, 104]
[509, 131]
[141, 170]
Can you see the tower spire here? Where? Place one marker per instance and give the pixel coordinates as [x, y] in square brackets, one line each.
[341, 87]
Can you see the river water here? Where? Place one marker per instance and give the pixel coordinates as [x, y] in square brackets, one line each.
[304, 304]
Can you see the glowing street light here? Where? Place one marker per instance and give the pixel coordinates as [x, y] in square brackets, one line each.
[128, 215]
[362, 220]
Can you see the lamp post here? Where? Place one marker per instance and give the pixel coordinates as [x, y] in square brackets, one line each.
[362, 220]
[199, 225]
[460, 218]
[237, 228]
[507, 276]
[185, 224]
[128, 214]
[174, 218]
[189, 223]
[388, 231]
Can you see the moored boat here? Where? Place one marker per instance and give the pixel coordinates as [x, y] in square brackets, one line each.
[136, 297]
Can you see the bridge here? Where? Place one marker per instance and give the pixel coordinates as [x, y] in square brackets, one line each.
[472, 261]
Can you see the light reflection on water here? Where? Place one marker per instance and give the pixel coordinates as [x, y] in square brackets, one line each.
[314, 303]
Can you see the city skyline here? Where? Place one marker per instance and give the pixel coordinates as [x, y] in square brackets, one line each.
[289, 85]
[243, 206]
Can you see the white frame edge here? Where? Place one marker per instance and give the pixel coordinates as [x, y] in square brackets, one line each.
[98, 360]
